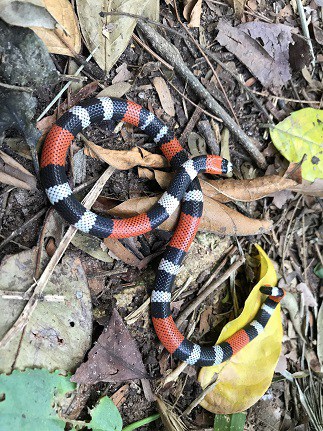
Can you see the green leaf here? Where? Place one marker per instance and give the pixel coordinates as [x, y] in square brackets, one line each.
[32, 399]
[299, 134]
[233, 422]
[105, 416]
[318, 270]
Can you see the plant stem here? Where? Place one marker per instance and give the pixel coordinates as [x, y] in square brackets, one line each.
[141, 423]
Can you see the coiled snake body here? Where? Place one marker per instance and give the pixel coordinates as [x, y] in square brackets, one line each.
[184, 188]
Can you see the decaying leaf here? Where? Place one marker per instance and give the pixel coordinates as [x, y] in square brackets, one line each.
[14, 174]
[299, 135]
[66, 35]
[320, 336]
[229, 189]
[192, 12]
[111, 33]
[114, 358]
[164, 95]
[121, 252]
[262, 47]
[126, 159]
[116, 90]
[237, 388]
[216, 218]
[90, 245]
[58, 342]
[26, 13]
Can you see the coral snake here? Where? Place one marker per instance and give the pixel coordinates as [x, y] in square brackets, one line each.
[184, 189]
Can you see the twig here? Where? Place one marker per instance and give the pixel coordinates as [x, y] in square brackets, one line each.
[16, 87]
[203, 295]
[23, 247]
[22, 320]
[192, 103]
[207, 51]
[306, 33]
[151, 52]
[22, 228]
[25, 296]
[197, 401]
[64, 88]
[172, 55]
[198, 46]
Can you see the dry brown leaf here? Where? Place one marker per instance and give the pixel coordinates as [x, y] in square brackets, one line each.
[26, 13]
[69, 31]
[229, 189]
[120, 396]
[126, 159]
[307, 188]
[164, 95]
[121, 252]
[46, 123]
[238, 6]
[14, 174]
[192, 12]
[216, 217]
[116, 90]
[110, 34]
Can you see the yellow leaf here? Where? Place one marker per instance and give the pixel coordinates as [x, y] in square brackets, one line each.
[64, 14]
[299, 134]
[244, 378]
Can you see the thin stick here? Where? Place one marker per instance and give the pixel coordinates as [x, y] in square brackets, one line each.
[22, 228]
[197, 400]
[306, 32]
[203, 295]
[22, 320]
[65, 87]
[172, 55]
[198, 46]
[151, 52]
[25, 296]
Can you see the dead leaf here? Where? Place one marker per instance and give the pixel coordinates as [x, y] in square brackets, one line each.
[68, 29]
[114, 358]
[229, 189]
[46, 123]
[116, 90]
[262, 47]
[311, 189]
[216, 217]
[192, 12]
[238, 6]
[123, 74]
[120, 396]
[111, 33]
[164, 95]
[26, 13]
[307, 295]
[125, 159]
[121, 252]
[14, 174]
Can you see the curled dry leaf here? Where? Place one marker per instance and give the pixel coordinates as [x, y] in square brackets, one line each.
[14, 174]
[26, 14]
[66, 38]
[237, 387]
[216, 217]
[126, 159]
[164, 95]
[229, 189]
[192, 12]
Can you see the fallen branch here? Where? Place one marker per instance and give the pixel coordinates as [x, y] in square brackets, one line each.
[172, 56]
